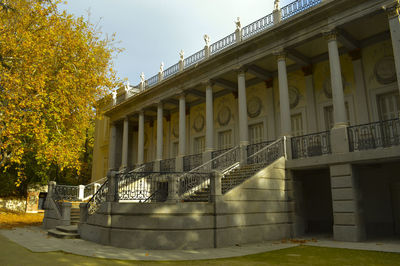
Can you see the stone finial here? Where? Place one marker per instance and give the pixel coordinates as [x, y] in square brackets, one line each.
[142, 79]
[127, 86]
[276, 5]
[114, 97]
[238, 25]
[207, 39]
[162, 67]
[182, 54]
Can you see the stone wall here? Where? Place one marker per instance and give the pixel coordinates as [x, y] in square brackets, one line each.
[13, 204]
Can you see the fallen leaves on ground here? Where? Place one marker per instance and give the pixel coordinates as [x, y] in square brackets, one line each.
[10, 220]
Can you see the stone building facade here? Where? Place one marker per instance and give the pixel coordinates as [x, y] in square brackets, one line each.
[323, 74]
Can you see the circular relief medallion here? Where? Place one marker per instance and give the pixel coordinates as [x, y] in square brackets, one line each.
[198, 124]
[328, 87]
[224, 116]
[385, 70]
[294, 97]
[175, 130]
[254, 107]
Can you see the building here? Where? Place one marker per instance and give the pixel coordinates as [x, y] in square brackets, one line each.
[311, 90]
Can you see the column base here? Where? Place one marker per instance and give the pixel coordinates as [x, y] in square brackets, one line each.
[339, 139]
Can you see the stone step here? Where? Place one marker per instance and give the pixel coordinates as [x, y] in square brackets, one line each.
[68, 228]
[60, 234]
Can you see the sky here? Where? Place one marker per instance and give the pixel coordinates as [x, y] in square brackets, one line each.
[154, 31]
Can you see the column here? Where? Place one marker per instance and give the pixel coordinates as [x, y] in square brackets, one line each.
[141, 138]
[310, 98]
[394, 24]
[361, 95]
[125, 143]
[339, 109]
[243, 123]
[270, 109]
[112, 146]
[286, 126]
[182, 133]
[209, 123]
[348, 221]
[159, 131]
[159, 152]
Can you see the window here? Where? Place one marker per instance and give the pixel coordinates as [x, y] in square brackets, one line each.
[297, 124]
[256, 133]
[225, 139]
[388, 105]
[199, 145]
[328, 114]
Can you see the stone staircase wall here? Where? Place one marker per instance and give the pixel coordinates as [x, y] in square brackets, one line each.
[257, 210]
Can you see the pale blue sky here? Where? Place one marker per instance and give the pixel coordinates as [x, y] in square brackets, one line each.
[152, 31]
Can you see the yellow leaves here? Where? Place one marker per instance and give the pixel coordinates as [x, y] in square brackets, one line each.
[59, 68]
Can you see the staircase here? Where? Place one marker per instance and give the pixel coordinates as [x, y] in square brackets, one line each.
[65, 232]
[231, 180]
[75, 215]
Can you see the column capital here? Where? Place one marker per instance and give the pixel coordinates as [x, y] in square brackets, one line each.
[208, 83]
[330, 35]
[280, 55]
[240, 69]
[393, 9]
[307, 70]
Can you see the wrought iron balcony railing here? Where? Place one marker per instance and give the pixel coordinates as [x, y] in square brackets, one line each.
[192, 183]
[192, 161]
[167, 165]
[269, 153]
[140, 186]
[99, 197]
[255, 147]
[311, 145]
[374, 135]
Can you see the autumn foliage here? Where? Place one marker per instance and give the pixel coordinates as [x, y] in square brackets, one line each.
[53, 68]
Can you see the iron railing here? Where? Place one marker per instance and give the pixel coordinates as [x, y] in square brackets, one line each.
[99, 197]
[223, 43]
[374, 135]
[255, 147]
[268, 154]
[226, 159]
[193, 59]
[192, 161]
[167, 165]
[297, 7]
[257, 26]
[171, 70]
[311, 145]
[192, 183]
[139, 186]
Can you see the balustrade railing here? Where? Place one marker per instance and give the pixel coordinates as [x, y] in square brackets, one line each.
[374, 135]
[193, 182]
[67, 193]
[89, 190]
[311, 145]
[99, 197]
[171, 70]
[193, 59]
[223, 43]
[192, 161]
[297, 7]
[257, 26]
[255, 147]
[167, 165]
[139, 186]
[269, 153]
[151, 81]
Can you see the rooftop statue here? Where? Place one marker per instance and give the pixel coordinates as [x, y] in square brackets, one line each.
[276, 4]
[238, 25]
[162, 67]
[142, 78]
[207, 39]
[127, 86]
[181, 54]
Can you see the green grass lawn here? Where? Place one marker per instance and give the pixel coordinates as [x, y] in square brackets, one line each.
[13, 254]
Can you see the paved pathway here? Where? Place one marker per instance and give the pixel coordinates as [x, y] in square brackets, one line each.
[37, 240]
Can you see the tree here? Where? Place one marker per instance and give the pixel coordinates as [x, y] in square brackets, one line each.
[53, 68]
